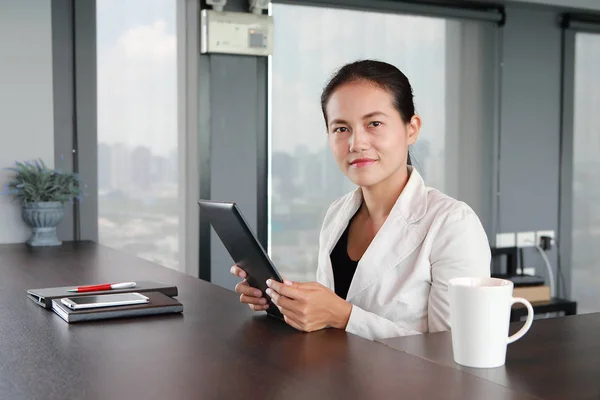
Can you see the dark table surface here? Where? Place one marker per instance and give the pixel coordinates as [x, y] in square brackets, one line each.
[217, 349]
[558, 358]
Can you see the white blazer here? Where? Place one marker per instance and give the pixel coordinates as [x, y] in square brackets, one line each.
[401, 282]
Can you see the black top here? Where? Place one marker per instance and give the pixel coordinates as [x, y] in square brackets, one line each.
[343, 266]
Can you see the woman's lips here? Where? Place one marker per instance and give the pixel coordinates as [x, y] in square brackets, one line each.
[361, 162]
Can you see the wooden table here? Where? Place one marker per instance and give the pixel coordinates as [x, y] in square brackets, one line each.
[218, 349]
[558, 358]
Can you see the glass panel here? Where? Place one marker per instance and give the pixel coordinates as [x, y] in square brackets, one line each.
[454, 150]
[585, 261]
[137, 128]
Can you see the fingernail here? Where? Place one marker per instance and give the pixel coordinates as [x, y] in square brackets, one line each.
[289, 283]
[263, 301]
[257, 293]
[268, 291]
[269, 282]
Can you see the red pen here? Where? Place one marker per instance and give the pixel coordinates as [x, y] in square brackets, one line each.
[108, 286]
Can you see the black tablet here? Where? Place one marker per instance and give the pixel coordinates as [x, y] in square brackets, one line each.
[242, 245]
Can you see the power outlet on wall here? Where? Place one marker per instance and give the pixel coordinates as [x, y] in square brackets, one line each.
[505, 240]
[526, 239]
[539, 234]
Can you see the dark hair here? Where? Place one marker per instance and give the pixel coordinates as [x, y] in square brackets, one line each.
[381, 74]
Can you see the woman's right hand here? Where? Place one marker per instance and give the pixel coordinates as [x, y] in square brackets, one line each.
[249, 295]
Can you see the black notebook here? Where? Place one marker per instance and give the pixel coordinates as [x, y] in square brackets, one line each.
[158, 304]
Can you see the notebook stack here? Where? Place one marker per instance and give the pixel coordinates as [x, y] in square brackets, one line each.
[160, 301]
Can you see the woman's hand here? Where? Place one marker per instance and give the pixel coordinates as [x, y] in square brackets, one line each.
[309, 306]
[249, 295]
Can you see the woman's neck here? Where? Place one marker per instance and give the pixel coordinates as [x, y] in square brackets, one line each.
[379, 199]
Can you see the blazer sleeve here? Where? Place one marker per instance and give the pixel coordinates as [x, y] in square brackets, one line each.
[461, 249]
[372, 326]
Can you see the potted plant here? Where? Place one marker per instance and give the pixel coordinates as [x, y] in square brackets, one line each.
[42, 192]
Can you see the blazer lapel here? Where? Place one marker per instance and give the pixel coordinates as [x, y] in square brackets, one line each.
[397, 238]
[335, 231]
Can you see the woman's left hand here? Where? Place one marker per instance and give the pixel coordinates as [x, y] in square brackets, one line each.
[309, 306]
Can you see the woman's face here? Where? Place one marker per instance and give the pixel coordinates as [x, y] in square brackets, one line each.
[367, 136]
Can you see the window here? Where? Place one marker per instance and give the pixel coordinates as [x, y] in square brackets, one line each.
[451, 67]
[137, 128]
[585, 262]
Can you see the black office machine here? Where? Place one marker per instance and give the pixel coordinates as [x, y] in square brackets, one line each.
[512, 272]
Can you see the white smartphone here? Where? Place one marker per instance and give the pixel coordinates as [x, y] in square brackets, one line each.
[104, 300]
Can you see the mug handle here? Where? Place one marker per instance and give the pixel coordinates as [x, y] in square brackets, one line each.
[528, 322]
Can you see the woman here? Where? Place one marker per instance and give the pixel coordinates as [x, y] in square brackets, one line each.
[388, 249]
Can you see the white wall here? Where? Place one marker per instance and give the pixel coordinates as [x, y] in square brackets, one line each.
[26, 105]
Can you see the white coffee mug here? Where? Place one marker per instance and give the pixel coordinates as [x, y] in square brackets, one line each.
[480, 317]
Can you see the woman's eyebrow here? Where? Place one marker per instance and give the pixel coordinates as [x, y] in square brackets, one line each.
[338, 121]
[366, 116]
[374, 114]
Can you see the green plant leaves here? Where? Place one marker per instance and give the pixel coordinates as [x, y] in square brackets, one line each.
[35, 182]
